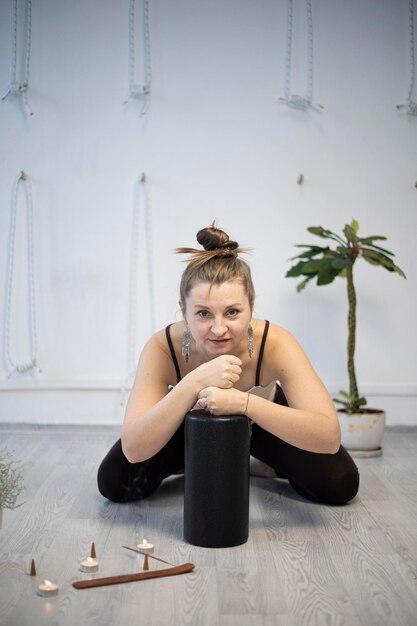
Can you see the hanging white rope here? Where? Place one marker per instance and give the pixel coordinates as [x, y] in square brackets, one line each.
[411, 105]
[140, 91]
[141, 205]
[16, 87]
[25, 366]
[296, 101]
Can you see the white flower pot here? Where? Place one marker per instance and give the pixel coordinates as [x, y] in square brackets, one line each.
[363, 432]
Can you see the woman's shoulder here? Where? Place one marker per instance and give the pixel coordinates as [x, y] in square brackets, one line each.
[159, 340]
[281, 345]
[156, 356]
[175, 329]
[275, 332]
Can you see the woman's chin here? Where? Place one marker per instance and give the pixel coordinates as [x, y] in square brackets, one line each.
[219, 348]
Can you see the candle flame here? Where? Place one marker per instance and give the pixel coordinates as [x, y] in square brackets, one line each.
[144, 542]
[89, 559]
[48, 583]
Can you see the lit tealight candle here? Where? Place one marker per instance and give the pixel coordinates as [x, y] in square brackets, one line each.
[146, 547]
[89, 565]
[48, 589]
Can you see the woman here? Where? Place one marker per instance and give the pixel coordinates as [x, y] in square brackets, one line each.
[212, 360]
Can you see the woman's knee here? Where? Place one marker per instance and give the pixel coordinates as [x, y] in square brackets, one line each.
[113, 474]
[344, 484]
[108, 485]
[121, 481]
[108, 490]
[338, 484]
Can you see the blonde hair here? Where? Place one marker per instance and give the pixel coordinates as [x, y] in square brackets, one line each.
[217, 263]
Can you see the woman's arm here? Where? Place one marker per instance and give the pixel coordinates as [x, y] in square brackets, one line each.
[309, 430]
[310, 422]
[152, 414]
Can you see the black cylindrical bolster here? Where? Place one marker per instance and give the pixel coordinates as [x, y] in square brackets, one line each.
[216, 487]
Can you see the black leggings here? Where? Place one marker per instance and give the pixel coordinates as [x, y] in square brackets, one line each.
[326, 478]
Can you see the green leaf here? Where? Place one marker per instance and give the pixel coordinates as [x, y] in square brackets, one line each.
[378, 258]
[301, 285]
[316, 265]
[343, 250]
[351, 404]
[306, 245]
[369, 258]
[323, 232]
[296, 270]
[399, 271]
[372, 238]
[345, 394]
[381, 249]
[340, 401]
[350, 234]
[355, 225]
[308, 254]
[319, 231]
[340, 263]
[326, 275]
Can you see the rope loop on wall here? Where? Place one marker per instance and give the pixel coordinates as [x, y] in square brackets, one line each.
[140, 91]
[296, 101]
[411, 105]
[141, 215]
[20, 88]
[23, 367]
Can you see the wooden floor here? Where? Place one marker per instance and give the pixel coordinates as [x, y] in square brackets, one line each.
[304, 564]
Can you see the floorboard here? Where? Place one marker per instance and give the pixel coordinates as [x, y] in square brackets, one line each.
[303, 564]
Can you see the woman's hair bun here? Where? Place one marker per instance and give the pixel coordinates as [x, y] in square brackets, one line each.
[216, 244]
[218, 263]
[212, 238]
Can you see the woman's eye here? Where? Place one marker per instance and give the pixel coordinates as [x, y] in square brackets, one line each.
[202, 313]
[233, 312]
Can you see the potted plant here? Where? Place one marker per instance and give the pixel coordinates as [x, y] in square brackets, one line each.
[11, 483]
[362, 428]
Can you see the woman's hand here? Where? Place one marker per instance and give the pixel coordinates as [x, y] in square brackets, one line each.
[223, 401]
[222, 372]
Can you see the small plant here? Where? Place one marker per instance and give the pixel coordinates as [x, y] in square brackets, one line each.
[11, 481]
[326, 264]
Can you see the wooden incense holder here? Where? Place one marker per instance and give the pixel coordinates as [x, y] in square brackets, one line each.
[185, 568]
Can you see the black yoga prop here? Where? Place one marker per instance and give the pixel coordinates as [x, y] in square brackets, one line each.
[216, 481]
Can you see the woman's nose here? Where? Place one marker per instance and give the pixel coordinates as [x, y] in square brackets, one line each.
[218, 327]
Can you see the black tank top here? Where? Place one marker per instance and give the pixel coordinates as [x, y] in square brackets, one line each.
[258, 366]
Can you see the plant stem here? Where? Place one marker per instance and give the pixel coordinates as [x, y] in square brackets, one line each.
[353, 385]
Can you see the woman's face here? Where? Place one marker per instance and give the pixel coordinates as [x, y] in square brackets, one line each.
[218, 317]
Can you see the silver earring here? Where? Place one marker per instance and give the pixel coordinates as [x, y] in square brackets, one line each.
[250, 341]
[186, 344]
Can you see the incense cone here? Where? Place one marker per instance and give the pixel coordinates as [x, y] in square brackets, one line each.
[145, 562]
[33, 568]
[93, 551]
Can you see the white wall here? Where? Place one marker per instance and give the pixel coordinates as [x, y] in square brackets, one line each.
[215, 144]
